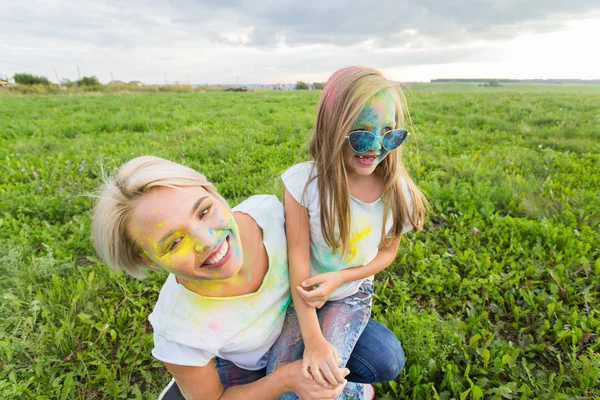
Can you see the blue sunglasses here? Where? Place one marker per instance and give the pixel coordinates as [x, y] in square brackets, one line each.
[361, 141]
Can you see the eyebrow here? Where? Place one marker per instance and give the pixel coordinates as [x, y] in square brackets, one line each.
[166, 237]
[197, 204]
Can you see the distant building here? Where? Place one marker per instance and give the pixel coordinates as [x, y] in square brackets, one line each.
[136, 83]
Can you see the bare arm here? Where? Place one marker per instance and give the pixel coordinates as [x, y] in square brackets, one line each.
[203, 383]
[328, 282]
[382, 260]
[318, 354]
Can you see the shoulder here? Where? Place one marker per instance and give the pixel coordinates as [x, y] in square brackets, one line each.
[295, 180]
[301, 171]
[264, 209]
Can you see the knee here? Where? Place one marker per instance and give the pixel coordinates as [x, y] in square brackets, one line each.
[395, 362]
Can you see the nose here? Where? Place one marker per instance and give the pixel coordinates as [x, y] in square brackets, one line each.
[204, 239]
[377, 143]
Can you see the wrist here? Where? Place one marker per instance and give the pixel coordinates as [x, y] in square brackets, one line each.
[288, 375]
[312, 338]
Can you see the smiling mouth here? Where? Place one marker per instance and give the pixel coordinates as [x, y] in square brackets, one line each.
[366, 159]
[218, 257]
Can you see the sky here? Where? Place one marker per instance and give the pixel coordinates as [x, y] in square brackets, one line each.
[281, 41]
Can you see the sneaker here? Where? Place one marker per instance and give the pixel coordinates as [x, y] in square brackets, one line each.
[171, 392]
[369, 392]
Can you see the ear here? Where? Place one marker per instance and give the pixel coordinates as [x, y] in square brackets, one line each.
[144, 259]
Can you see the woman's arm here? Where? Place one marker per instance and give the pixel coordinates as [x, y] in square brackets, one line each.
[318, 353]
[330, 281]
[203, 383]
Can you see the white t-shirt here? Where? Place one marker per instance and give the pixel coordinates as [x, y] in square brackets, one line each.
[190, 329]
[365, 228]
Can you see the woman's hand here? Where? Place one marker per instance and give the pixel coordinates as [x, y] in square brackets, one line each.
[308, 389]
[320, 362]
[326, 284]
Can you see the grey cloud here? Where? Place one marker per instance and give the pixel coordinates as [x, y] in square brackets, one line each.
[346, 23]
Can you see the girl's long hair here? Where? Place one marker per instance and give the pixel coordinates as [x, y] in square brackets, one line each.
[344, 96]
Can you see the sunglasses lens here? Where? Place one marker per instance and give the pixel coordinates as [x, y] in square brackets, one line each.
[393, 139]
[361, 141]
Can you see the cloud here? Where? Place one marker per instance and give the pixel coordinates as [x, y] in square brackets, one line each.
[219, 40]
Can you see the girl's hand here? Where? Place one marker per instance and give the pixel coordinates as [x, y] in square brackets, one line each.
[327, 283]
[320, 362]
[307, 389]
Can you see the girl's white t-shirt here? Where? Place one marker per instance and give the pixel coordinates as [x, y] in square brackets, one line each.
[190, 329]
[365, 228]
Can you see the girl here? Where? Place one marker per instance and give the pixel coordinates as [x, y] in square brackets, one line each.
[224, 302]
[345, 211]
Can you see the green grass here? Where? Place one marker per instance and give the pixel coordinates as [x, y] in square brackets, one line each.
[497, 298]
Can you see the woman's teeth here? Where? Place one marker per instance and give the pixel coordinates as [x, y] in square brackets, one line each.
[219, 256]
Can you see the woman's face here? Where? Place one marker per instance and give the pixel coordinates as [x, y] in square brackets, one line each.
[188, 232]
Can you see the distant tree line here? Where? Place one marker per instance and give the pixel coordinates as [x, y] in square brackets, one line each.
[30, 79]
[554, 81]
[300, 85]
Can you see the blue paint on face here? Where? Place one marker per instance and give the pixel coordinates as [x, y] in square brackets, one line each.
[377, 116]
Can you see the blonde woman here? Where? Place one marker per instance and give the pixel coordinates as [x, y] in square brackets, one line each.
[224, 302]
[346, 211]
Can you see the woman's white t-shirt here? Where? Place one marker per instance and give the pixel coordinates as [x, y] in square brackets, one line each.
[190, 329]
[365, 227]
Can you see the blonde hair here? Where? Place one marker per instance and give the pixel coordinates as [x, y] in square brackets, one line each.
[344, 96]
[117, 198]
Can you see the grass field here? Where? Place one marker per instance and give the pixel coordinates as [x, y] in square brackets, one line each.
[497, 298]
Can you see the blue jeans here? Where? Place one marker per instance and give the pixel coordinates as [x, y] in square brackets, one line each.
[367, 348]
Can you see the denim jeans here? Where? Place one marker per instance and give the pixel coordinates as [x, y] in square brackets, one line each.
[367, 348]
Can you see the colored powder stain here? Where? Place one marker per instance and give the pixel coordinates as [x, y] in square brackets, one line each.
[355, 239]
[213, 327]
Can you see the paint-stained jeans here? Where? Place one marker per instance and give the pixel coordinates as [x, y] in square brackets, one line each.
[342, 323]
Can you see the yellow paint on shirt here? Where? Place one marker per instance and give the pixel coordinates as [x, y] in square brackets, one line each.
[355, 239]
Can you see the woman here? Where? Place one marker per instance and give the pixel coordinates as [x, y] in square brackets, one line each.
[224, 302]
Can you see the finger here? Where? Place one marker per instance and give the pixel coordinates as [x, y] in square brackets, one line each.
[305, 294]
[305, 372]
[337, 390]
[315, 280]
[329, 373]
[318, 376]
[335, 372]
[335, 353]
[316, 294]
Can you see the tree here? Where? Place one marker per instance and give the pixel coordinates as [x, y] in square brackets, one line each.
[88, 81]
[29, 79]
[67, 83]
[301, 85]
[318, 85]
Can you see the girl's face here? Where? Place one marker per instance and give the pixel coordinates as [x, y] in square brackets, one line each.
[188, 232]
[377, 116]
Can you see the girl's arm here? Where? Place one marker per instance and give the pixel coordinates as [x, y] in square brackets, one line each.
[318, 353]
[203, 383]
[330, 281]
